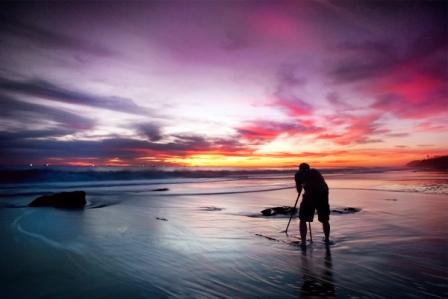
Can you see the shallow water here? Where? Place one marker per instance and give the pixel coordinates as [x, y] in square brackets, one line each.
[209, 247]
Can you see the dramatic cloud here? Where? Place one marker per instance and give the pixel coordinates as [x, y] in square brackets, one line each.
[29, 147]
[356, 129]
[150, 131]
[223, 83]
[35, 114]
[263, 131]
[286, 93]
[46, 90]
[14, 139]
[37, 35]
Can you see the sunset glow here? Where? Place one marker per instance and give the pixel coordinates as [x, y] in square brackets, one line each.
[223, 83]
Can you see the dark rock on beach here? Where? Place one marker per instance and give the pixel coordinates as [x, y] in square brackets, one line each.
[63, 200]
[348, 210]
[285, 210]
[160, 189]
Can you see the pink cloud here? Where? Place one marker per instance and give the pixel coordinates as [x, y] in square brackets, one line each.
[428, 126]
[294, 107]
[411, 91]
[285, 96]
[264, 130]
[358, 129]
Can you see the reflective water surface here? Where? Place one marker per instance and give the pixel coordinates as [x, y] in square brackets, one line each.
[209, 246]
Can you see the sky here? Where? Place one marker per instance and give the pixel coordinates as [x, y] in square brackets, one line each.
[223, 83]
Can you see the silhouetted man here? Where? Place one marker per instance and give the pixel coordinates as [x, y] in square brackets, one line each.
[314, 198]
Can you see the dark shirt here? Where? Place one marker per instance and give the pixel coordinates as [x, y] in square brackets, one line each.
[311, 180]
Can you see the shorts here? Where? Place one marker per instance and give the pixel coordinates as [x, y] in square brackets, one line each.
[310, 203]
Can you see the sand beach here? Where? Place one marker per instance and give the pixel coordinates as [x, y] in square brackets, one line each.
[206, 238]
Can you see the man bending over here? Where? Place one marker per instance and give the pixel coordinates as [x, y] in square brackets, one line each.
[314, 198]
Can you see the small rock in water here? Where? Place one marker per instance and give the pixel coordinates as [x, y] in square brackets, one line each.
[391, 199]
[211, 209]
[64, 200]
[285, 210]
[160, 189]
[163, 219]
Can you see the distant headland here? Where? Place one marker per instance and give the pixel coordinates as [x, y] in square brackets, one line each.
[440, 163]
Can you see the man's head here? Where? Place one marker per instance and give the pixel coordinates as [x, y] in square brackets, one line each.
[304, 166]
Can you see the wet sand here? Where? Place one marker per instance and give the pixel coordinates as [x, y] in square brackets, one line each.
[208, 245]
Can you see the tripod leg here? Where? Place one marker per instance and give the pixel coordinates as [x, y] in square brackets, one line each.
[311, 235]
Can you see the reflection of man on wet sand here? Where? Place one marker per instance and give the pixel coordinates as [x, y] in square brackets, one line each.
[317, 286]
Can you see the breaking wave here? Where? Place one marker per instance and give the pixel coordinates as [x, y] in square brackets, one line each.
[73, 174]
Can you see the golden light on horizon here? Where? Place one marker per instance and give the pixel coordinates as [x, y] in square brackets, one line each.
[368, 158]
[217, 160]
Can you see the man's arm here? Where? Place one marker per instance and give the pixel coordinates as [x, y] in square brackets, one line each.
[298, 183]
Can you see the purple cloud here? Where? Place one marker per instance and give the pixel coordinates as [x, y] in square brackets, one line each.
[32, 114]
[49, 91]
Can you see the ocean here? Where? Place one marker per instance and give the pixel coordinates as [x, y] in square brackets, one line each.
[205, 237]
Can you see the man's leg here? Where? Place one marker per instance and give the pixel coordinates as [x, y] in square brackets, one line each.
[306, 214]
[323, 212]
[326, 227]
[303, 231]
